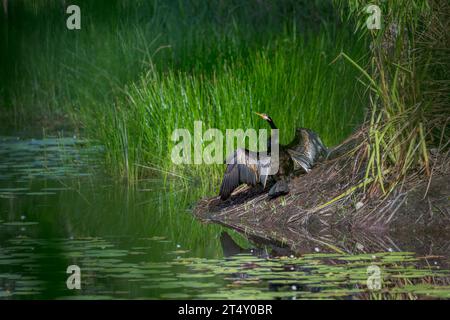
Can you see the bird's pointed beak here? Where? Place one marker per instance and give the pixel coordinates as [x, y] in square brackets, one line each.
[259, 114]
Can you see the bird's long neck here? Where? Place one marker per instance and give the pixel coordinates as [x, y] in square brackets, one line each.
[269, 141]
[272, 124]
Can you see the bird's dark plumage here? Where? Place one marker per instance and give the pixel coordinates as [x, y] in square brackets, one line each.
[305, 149]
[251, 168]
[247, 167]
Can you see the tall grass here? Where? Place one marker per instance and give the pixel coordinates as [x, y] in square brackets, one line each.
[46, 69]
[408, 76]
[290, 79]
[138, 70]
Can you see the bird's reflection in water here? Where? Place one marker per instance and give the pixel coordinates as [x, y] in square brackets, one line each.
[231, 248]
[264, 250]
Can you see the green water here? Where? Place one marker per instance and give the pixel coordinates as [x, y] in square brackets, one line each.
[57, 209]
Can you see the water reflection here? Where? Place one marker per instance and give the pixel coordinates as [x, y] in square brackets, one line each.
[56, 210]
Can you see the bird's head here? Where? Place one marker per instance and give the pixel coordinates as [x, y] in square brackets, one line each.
[268, 119]
[264, 116]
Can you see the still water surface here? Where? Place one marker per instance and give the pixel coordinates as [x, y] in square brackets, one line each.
[57, 209]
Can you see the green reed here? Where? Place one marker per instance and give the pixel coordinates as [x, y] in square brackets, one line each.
[137, 71]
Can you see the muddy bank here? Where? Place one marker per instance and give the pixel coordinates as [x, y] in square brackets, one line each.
[326, 202]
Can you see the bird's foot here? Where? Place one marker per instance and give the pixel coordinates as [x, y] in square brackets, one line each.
[278, 189]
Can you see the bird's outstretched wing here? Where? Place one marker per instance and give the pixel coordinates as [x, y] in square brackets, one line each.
[306, 149]
[300, 161]
[244, 166]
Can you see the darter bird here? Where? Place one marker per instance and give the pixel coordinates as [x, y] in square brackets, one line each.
[252, 168]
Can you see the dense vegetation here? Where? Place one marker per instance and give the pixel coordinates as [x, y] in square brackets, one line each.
[409, 82]
[139, 69]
